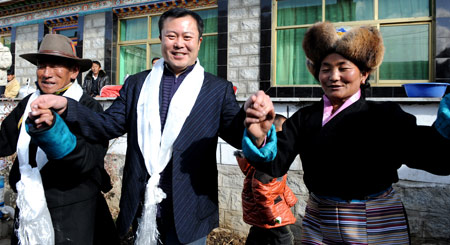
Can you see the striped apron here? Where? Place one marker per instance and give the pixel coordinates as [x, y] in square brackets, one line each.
[377, 220]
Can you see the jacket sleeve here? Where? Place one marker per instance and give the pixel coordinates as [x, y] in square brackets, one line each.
[107, 125]
[9, 132]
[13, 90]
[106, 81]
[420, 147]
[289, 196]
[85, 82]
[285, 150]
[86, 155]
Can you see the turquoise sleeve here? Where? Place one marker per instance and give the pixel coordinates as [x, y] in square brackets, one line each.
[442, 123]
[57, 141]
[267, 153]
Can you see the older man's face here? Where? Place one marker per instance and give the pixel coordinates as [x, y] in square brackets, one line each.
[180, 42]
[54, 75]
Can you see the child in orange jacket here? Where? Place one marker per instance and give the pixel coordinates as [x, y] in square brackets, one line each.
[266, 203]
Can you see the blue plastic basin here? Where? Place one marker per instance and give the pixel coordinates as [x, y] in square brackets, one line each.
[425, 89]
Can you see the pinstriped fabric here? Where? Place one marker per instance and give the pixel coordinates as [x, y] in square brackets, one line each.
[377, 221]
[194, 173]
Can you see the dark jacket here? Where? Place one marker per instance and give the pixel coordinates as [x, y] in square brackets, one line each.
[102, 80]
[194, 171]
[72, 184]
[357, 153]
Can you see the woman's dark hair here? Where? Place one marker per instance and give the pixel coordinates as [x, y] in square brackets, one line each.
[178, 13]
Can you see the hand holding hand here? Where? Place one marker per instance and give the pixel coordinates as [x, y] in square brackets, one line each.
[260, 115]
[40, 108]
[44, 116]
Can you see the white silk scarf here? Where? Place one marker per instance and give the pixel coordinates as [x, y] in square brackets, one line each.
[156, 148]
[35, 224]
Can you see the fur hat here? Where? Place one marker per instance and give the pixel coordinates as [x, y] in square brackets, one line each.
[362, 45]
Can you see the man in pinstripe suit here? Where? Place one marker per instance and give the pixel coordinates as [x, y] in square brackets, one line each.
[173, 116]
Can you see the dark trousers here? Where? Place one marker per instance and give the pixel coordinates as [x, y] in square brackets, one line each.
[275, 236]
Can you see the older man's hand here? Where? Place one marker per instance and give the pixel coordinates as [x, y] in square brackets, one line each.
[40, 108]
[45, 117]
[260, 115]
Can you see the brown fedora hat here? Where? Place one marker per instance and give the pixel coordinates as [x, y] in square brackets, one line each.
[60, 46]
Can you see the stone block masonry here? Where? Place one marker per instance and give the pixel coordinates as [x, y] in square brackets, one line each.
[243, 45]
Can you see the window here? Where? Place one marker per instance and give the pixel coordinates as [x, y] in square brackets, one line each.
[5, 36]
[68, 31]
[67, 26]
[139, 43]
[404, 24]
[5, 40]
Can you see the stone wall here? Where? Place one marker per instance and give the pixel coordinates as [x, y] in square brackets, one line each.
[26, 42]
[94, 38]
[243, 45]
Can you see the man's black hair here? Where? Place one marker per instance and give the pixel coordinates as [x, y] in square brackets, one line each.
[178, 13]
[96, 62]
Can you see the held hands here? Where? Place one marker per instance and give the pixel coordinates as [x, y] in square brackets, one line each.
[40, 109]
[260, 115]
[45, 117]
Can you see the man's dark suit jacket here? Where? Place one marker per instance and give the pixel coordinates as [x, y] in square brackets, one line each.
[194, 173]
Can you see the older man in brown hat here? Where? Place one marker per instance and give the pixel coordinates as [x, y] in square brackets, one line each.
[58, 174]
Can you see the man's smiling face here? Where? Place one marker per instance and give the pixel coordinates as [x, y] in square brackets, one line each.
[180, 42]
[54, 74]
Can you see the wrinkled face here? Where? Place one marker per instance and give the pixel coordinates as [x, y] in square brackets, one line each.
[340, 78]
[180, 42]
[95, 68]
[54, 74]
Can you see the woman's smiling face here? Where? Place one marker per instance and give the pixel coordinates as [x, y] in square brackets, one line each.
[340, 78]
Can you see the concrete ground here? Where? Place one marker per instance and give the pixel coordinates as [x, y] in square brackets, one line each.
[5, 242]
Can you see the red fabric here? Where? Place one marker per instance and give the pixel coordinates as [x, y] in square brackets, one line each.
[258, 199]
[110, 91]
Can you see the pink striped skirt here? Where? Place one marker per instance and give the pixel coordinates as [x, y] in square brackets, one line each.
[378, 220]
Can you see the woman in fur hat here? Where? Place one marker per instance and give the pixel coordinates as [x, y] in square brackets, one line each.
[350, 148]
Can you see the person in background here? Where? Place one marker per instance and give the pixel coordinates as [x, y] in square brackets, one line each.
[5, 63]
[173, 116]
[350, 148]
[12, 87]
[95, 80]
[266, 203]
[68, 202]
[154, 60]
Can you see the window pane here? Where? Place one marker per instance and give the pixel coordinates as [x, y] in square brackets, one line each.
[209, 20]
[348, 10]
[155, 27]
[291, 60]
[132, 60]
[6, 41]
[208, 54]
[294, 12]
[403, 8]
[133, 29]
[406, 56]
[155, 51]
[70, 33]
